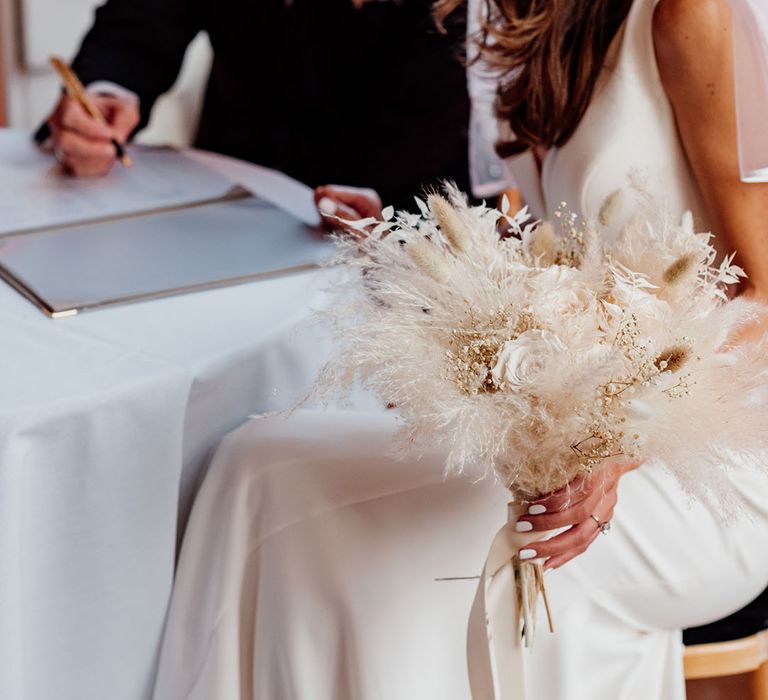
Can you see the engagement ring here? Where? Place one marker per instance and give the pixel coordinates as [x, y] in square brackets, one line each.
[604, 527]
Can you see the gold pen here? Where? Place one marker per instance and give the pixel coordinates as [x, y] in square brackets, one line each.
[76, 91]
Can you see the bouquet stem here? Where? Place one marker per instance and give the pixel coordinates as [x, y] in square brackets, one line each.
[529, 578]
[544, 596]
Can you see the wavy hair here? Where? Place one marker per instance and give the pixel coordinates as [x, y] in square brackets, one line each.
[549, 55]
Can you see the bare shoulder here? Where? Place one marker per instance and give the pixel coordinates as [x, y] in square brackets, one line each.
[690, 33]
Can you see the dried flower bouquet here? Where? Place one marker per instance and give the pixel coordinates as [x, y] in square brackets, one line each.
[543, 355]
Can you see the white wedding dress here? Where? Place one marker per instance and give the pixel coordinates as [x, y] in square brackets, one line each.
[314, 567]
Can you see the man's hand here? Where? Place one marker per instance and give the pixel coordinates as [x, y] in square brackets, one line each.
[351, 203]
[81, 144]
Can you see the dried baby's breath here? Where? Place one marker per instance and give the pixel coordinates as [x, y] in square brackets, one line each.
[474, 348]
[572, 245]
[547, 354]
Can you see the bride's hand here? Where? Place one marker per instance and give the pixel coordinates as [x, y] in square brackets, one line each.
[580, 507]
[351, 203]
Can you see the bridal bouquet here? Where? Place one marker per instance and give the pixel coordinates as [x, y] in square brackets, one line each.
[546, 353]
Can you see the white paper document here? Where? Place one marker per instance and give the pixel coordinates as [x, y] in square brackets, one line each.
[178, 221]
[277, 188]
[35, 194]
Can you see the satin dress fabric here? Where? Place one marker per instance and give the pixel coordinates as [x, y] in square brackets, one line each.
[317, 567]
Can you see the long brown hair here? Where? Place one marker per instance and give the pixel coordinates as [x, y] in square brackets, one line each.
[549, 55]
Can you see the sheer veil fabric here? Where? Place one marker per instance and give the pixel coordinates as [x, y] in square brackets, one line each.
[750, 43]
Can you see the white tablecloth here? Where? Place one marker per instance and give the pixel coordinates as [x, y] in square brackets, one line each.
[106, 422]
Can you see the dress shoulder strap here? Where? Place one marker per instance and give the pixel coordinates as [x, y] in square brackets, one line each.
[637, 55]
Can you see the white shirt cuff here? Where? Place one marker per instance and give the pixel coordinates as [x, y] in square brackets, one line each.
[110, 88]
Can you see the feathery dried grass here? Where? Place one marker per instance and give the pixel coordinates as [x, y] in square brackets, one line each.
[537, 372]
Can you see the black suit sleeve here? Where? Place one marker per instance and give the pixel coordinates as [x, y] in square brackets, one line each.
[139, 44]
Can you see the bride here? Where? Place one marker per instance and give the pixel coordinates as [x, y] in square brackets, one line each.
[316, 568]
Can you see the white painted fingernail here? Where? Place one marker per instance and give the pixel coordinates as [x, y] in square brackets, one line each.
[523, 526]
[527, 554]
[537, 509]
[327, 206]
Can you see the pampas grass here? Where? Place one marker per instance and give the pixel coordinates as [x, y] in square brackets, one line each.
[548, 354]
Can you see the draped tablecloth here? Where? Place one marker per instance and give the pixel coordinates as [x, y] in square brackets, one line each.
[106, 422]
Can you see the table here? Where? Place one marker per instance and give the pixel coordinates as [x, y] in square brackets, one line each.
[106, 422]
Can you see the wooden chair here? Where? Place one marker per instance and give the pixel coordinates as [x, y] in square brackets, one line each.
[718, 656]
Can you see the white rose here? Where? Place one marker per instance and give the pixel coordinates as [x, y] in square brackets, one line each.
[556, 276]
[521, 359]
[559, 288]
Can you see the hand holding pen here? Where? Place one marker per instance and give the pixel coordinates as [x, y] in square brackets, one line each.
[88, 132]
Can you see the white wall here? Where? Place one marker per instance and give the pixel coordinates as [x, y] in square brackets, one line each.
[37, 29]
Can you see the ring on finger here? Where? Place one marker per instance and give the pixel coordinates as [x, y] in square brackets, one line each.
[604, 526]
